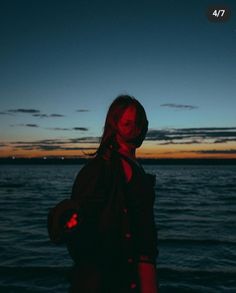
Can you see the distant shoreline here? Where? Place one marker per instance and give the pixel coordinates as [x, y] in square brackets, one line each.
[78, 161]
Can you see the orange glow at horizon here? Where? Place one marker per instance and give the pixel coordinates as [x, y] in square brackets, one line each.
[147, 150]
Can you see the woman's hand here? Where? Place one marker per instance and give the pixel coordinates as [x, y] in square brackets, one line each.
[148, 279]
[72, 222]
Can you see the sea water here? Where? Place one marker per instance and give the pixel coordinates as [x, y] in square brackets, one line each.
[195, 212]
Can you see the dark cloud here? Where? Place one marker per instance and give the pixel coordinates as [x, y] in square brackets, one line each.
[67, 129]
[30, 111]
[82, 110]
[45, 147]
[179, 106]
[34, 112]
[209, 152]
[80, 148]
[86, 139]
[157, 135]
[192, 135]
[25, 147]
[35, 147]
[31, 125]
[50, 145]
[58, 128]
[40, 115]
[48, 116]
[224, 140]
[56, 115]
[43, 141]
[208, 128]
[230, 151]
[81, 128]
[25, 125]
[186, 142]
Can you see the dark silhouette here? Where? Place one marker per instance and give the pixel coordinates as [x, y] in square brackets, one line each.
[114, 239]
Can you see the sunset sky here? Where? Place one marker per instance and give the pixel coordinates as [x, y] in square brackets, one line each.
[63, 62]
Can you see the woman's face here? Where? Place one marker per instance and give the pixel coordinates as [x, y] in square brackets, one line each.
[127, 130]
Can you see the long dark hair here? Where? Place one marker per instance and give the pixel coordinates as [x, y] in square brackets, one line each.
[115, 111]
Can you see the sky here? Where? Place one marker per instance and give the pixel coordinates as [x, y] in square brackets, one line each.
[62, 63]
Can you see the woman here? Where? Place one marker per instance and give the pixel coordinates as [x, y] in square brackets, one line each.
[118, 248]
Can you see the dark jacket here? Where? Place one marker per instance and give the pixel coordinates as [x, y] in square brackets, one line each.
[119, 223]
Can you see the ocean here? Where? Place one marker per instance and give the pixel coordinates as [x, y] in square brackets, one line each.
[195, 212]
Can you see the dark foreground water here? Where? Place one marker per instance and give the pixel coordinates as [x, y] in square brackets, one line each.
[195, 211]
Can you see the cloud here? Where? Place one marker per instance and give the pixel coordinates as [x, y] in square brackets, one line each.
[58, 141]
[224, 140]
[82, 110]
[186, 142]
[179, 106]
[45, 147]
[56, 115]
[86, 139]
[67, 129]
[81, 128]
[58, 128]
[80, 148]
[40, 115]
[192, 135]
[31, 125]
[209, 152]
[48, 116]
[26, 125]
[230, 151]
[34, 112]
[50, 145]
[30, 111]
[43, 141]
